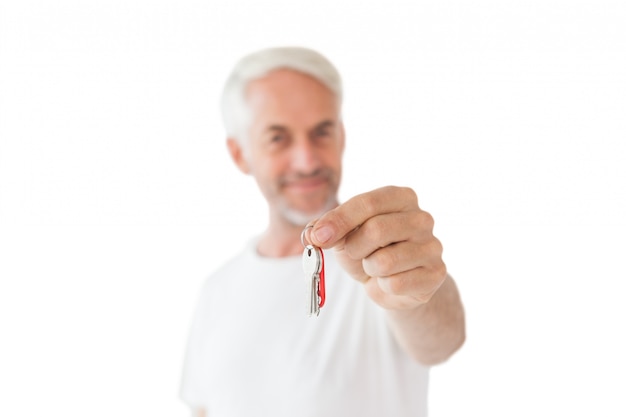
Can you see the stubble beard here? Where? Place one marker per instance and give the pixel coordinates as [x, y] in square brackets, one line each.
[301, 218]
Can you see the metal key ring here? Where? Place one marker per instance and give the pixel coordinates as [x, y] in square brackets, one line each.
[302, 234]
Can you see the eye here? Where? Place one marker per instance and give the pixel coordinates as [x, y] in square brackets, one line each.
[321, 133]
[278, 138]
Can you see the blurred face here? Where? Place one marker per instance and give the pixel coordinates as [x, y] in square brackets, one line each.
[294, 146]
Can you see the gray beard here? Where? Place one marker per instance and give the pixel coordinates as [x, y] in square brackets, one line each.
[298, 218]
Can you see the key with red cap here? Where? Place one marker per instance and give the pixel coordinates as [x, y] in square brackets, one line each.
[313, 266]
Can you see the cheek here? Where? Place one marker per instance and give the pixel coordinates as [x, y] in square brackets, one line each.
[333, 159]
[267, 168]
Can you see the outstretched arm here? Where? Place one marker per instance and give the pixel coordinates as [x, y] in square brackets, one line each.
[384, 240]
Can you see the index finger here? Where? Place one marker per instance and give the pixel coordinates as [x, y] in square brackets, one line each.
[336, 224]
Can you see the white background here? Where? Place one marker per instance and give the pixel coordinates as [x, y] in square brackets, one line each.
[117, 197]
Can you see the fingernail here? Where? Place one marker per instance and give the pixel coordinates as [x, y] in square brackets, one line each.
[323, 234]
[383, 284]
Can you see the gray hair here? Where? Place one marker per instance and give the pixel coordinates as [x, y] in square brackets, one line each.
[235, 111]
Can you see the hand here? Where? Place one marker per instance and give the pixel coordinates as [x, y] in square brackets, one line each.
[384, 240]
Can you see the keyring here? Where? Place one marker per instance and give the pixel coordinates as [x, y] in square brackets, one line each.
[302, 234]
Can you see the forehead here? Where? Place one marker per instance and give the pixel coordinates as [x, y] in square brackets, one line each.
[289, 97]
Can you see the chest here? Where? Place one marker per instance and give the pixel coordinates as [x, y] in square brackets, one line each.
[265, 356]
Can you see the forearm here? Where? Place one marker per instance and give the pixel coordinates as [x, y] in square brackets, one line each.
[432, 332]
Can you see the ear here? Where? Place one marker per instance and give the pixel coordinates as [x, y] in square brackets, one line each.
[237, 154]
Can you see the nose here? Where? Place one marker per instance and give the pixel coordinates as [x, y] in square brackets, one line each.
[305, 156]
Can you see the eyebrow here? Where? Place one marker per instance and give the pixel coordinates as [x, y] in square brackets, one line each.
[324, 124]
[273, 128]
[280, 128]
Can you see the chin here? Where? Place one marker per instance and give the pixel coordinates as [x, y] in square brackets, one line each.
[301, 218]
[297, 218]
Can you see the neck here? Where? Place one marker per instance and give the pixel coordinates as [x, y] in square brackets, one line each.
[281, 239]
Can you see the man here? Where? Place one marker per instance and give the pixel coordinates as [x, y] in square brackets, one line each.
[391, 308]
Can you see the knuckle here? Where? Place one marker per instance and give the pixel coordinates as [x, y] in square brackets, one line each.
[398, 285]
[373, 230]
[421, 220]
[436, 247]
[440, 271]
[385, 262]
[368, 202]
[427, 220]
[407, 194]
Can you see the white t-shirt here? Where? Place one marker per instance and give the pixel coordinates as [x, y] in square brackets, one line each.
[253, 351]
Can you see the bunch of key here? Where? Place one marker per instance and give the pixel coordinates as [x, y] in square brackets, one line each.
[313, 266]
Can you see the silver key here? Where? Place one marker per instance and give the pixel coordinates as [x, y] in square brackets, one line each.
[312, 265]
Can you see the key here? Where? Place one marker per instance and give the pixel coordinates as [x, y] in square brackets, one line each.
[312, 264]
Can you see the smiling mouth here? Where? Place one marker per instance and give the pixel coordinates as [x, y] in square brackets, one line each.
[306, 185]
[306, 182]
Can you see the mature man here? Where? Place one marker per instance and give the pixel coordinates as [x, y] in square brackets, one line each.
[391, 311]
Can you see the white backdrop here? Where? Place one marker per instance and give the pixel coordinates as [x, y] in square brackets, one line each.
[117, 197]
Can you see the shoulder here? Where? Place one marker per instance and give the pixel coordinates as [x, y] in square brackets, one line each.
[236, 264]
